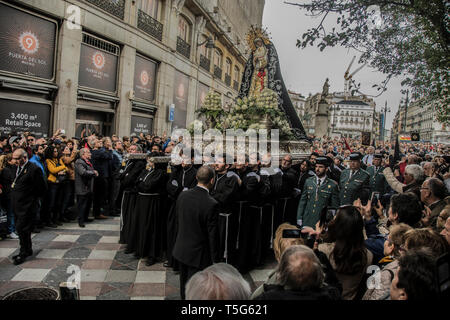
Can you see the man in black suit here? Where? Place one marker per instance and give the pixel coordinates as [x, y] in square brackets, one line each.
[197, 244]
[27, 187]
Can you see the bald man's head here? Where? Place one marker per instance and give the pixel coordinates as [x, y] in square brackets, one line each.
[205, 176]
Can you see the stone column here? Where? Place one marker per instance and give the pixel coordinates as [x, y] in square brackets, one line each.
[69, 48]
[165, 98]
[125, 86]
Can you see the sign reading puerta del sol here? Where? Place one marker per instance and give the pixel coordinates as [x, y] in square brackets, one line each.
[27, 43]
[98, 69]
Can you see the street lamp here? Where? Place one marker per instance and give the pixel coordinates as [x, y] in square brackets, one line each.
[384, 110]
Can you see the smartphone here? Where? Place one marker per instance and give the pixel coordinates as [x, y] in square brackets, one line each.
[330, 214]
[375, 198]
[63, 131]
[292, 233]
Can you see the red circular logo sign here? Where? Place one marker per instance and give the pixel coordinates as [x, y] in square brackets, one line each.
[144, 78]
[29, 42]
[99, 60]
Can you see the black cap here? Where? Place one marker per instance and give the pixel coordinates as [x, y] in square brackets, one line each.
[356, 156]
[378, 156]
[323, 160]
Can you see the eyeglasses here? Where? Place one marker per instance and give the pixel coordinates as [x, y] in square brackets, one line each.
[424, 188]
[13, 158]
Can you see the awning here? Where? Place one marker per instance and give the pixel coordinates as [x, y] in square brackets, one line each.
[98, 97]
[27, 85]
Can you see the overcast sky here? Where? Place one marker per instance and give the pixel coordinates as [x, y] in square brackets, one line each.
[305, 70]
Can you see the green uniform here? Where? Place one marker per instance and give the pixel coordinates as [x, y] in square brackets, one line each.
[314, 199]
[349, 187]
[377, 181]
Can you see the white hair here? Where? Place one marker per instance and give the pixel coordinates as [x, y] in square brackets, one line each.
[416, 171]
[220, 281]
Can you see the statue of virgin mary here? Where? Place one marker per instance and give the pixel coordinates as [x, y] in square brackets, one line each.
[262, 70]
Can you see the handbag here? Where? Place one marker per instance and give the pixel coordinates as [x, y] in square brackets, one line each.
[60, 178]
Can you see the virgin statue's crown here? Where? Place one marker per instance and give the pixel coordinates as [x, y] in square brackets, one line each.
[255, 33]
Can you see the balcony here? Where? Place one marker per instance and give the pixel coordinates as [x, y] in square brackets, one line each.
[217, 72]
[150, 25]
[183, 48]
[235, 85]
[116, 8]
[228, 80]
[205, 63]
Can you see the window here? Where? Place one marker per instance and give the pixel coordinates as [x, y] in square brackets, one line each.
[204, 51]
[218, 56]
[149, 7]
[228, 67]
[237, 74]
[184, 29]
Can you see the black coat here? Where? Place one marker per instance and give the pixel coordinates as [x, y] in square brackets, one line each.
[28, 187]
[129, 174]
[289, 181]
[225, 190]
[302, 179]
[102, 161]
[197, 243]
[181, 179]
[277, 292]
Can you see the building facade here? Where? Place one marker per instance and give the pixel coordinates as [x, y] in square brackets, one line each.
[351, 117]
[119, 66]
[422, 119]
[345, 117]
[299, 102]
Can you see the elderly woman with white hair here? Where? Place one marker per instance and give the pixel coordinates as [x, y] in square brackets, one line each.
[218, 282]
[414, 176]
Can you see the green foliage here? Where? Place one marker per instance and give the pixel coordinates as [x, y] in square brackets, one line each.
[259, 112]
[406, 38]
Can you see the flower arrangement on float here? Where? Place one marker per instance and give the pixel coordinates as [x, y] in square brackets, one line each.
[260, 112]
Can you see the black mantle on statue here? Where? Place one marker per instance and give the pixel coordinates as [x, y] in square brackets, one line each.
[275, 83]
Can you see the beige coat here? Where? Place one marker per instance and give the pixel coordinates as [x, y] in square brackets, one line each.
[383, 279]
[350, 283]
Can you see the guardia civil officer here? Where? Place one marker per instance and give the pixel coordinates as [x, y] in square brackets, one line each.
[319, 192]
[352, 180]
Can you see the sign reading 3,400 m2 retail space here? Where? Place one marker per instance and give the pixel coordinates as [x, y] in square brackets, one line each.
[27, 43]
[22, 116]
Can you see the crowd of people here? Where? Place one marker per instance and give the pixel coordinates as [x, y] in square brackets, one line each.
[328, 219]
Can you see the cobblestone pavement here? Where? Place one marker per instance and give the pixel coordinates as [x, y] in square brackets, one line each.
[107, 273]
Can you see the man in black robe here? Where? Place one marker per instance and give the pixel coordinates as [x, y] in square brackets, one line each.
[254, 191]
[147, 222]
[182, 178]
[225, 192]
[285, 205]
[131, 169]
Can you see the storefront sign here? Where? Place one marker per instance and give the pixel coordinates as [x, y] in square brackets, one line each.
[27, 43]
[141, 125]
[144, 79]
[20, 116]
[180, 98]
[202, 93]
[98, 69]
